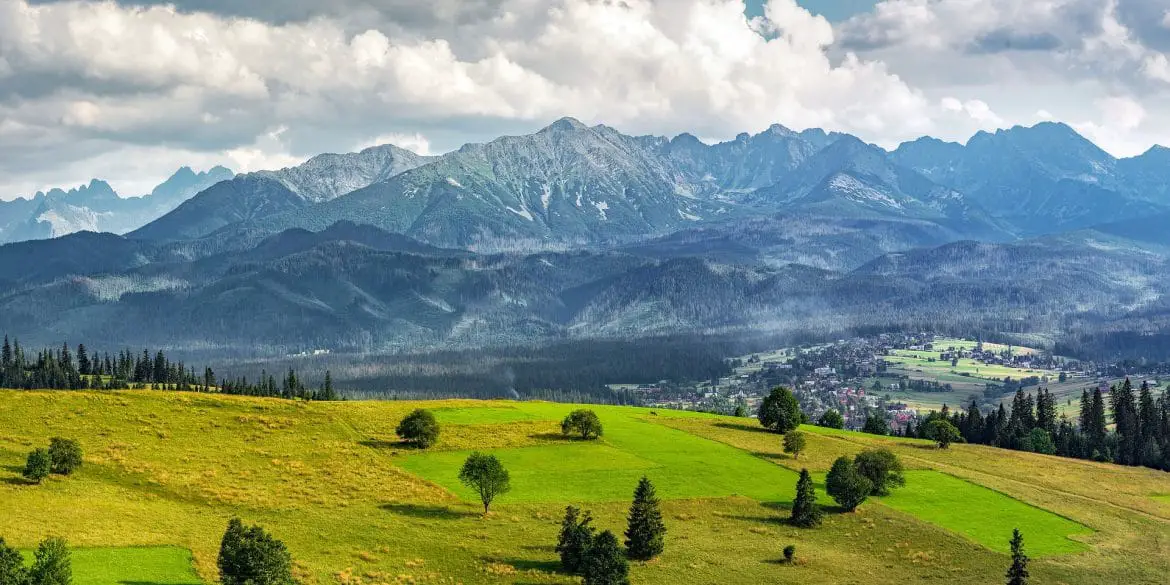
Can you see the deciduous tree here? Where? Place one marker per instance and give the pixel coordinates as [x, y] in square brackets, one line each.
[419, 427]
[882, 468]
[846, 486]
[582, 422]
[487, 476]
[248, 555]
[780, 411]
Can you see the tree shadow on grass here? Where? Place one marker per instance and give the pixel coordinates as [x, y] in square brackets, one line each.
[545, 548]
[742, 427]
[528, 564]
[18, 480]
[148, 583]
[427, 512]
[562, 438]
[395, 445]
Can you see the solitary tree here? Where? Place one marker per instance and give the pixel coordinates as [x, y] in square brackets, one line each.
[64, 455]
[575, 539]
[805, 512]
[831, 419]
[582, 422]
[942, 432]
[604, 562]
[780, 411]
[51, 565]
[794, 443]
[846, 486]
[250, 556]
[12, 571]
[420, 428]
[645, 532]
[882, 468]
[1017, 574]
[487, 476]
[38, 466]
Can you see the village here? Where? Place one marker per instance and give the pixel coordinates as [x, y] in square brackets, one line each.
[897, 377]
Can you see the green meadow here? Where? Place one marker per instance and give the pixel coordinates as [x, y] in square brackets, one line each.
[165, 471]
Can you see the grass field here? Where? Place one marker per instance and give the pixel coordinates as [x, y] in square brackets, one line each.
[131, 566]
[356, 508]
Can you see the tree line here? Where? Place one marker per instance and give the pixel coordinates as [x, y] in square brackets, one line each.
[64, 369]
[1140, 433]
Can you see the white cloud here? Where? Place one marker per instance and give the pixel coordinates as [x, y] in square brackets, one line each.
[85, 81]
[416, 143]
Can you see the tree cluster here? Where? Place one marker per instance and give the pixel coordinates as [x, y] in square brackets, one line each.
[1141, 433]
[598, 557]
[62, 369]
[63, 457]
[51, 564]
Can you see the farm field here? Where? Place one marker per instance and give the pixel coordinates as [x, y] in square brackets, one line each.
[165, 471]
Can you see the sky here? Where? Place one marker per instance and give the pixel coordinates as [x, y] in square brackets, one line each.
[130, 90]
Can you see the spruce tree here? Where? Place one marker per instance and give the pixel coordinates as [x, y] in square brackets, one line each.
[51, 564]
[12, 571]
[604, 563]
[805, 512]
[575, 539]
[1017, 574]
[645, 532]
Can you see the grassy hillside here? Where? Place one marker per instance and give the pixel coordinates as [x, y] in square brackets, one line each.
[168, 470]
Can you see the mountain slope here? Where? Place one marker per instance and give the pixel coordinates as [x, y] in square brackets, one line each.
[567, 184]
[265, 193]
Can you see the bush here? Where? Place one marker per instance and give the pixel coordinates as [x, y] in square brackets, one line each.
[780, 411]
[38, 466]
[583, 422]
[420, 428]
[848, 487]
[64, 455]
[51, 564]
[251, 556]
[882, 468]
[831, 420]
[790, 553]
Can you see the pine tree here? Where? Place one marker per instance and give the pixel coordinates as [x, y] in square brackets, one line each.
[1125, 417]
[51, 564]
[1046, 411]
[645, 532]
[1148, 414]
[604, 563]
[575, 539]
[12, 571]
[1018, 573]
[805, 512]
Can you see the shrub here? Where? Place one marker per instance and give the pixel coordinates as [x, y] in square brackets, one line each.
[38, 466]
[882, 468]
[846, 486]
[583, 422]
[251, 556]
[790, 553]
[420, 428]
[64, 455]
[780, 411]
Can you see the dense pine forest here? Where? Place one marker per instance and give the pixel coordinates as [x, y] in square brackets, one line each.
[1140, 436]
[64, 369]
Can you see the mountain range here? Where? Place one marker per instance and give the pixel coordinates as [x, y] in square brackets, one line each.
[97, 207]
[579, 232]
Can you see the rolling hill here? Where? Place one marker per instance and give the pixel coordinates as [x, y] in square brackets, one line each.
[163, 472]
